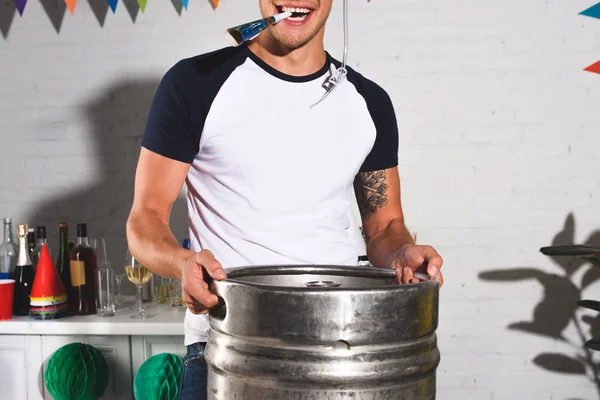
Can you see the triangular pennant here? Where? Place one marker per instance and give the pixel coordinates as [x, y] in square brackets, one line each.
[113, 5]
[593, 11]
[185, 3]
[142, 4]
[71, 5]
[20, 6]
[595, 68]
[215, 3]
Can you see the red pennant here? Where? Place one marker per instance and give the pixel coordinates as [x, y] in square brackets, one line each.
[595, 68]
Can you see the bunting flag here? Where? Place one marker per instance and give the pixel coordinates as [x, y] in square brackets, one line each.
[71, 5]
[20, 6]
[185, 3]
[113, 5]
[595, 68]
[142, 4]
[593, 11]
[215, 3]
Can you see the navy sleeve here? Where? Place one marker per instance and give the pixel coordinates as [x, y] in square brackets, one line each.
[384, 153]
[169, 130]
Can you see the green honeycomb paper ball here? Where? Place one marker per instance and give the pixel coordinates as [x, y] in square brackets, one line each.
[76, 371]
[158, 378]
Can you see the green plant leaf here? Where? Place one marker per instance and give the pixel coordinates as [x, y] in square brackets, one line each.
[591, 304]
[593, 344]
[570, 250]
[562, 363]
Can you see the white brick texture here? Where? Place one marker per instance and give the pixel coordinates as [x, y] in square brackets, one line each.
[499, 127]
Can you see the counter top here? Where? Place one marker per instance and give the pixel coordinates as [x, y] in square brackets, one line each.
[167, 320]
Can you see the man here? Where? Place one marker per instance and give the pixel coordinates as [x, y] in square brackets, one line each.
[269, 179]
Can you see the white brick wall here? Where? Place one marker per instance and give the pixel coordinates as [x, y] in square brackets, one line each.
[499, 127]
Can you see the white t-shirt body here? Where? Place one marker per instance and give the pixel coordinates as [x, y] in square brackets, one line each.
[270, 179]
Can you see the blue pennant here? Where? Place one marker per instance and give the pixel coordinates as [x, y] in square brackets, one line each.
[185, 3]
[113, 5]
[593, 11]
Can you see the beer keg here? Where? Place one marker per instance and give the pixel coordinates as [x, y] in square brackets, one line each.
[322, 333]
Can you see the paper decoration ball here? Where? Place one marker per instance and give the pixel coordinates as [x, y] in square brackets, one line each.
[76, 371]
[159, 377]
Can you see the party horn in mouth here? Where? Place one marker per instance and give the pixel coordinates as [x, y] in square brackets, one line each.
[248, 31]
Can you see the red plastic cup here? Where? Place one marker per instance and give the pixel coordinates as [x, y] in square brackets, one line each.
[7, 290]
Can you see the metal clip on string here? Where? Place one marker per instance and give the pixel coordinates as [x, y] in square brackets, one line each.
[341, 72]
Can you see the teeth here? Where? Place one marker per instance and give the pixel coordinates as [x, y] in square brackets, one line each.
[296, 10]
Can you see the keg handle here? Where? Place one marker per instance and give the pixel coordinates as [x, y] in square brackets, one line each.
[219, 311]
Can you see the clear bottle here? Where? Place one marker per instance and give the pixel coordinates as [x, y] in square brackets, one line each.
[41, 239]
[23, 275]
[8, 251]
[82, 296]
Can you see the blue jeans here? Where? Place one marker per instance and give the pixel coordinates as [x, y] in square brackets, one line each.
[195, 374]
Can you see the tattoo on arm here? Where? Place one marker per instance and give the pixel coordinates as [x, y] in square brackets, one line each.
[370, 191]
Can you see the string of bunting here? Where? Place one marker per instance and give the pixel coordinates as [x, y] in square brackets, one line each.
[71, 4]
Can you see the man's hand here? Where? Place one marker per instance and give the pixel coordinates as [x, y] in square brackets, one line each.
[413, 260]
[196, 291]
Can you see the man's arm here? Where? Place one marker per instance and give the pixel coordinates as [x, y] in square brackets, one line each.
[158, 181]
[388, 241]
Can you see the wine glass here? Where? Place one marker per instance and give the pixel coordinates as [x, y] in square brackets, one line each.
[138, 275]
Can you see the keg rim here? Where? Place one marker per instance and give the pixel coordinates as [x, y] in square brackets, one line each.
[234, 273]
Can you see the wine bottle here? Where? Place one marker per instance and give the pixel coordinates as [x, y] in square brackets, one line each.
[8, 251]
[41, 240]
[64, 258]
[23, 275]
[31, 244]
[82, 296]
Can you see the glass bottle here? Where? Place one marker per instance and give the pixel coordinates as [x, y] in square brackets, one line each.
[64, 257]
[31, 244]
[82, 296]
[41, 239]
[23, 275]
[8, 251]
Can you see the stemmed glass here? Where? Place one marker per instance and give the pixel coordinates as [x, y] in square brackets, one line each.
[139, 276]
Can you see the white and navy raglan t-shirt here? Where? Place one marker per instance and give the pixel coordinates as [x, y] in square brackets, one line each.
[271, 179]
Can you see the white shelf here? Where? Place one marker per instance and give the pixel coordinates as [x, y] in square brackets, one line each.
[167, 320]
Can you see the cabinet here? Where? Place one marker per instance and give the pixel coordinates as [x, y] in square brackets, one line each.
[26, 345]
[20, 373]
[115, 349]
[23, 359]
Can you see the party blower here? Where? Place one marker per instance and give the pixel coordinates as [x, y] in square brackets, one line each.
[248, 31]
[242, 33]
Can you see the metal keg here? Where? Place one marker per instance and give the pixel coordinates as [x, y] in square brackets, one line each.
[322, 333]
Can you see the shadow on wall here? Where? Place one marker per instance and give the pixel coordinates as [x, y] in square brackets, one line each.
[558, 308]
[116, 119]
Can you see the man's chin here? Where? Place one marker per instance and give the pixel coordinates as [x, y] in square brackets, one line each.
[291, 42]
